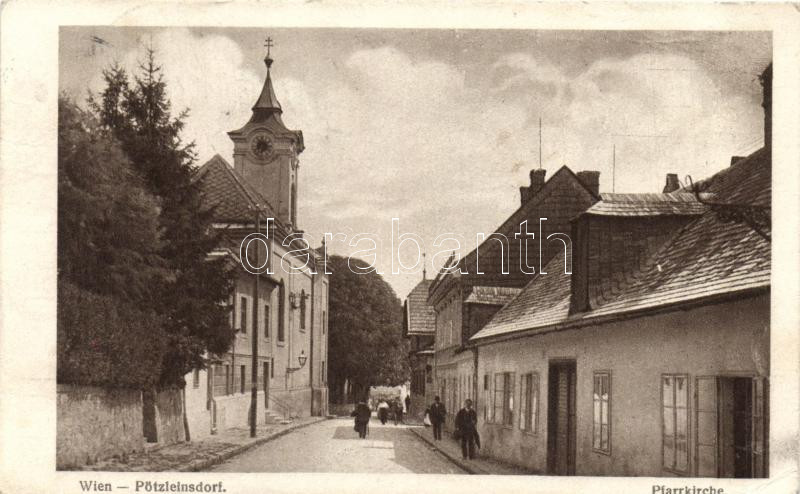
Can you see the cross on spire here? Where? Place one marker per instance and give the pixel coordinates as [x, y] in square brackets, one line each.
[268, 43]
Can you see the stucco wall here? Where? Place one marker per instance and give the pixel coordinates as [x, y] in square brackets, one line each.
[728, 338]
[95, 423]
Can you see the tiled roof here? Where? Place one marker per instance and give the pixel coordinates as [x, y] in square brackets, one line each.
[544, 301]
[707, 258]
[492, 295]
[231, 196]
[678, 203]
[420, 316]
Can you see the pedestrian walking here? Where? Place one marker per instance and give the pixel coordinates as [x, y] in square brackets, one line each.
[398, 412]
[362, 414]
[408, 404]
[437, 414]
[383, 411]
[467, 429]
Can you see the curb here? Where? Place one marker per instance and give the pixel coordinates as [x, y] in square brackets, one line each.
[200, 465]
[456, 461]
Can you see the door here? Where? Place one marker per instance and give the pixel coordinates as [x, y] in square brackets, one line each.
[561, 418]
[731, 427]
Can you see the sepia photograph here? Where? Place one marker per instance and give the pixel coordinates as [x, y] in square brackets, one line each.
[226, 275]
[346, 256]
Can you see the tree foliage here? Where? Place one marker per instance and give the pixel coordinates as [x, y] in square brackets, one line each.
[108, 258]
[191, 300]
[366, 345]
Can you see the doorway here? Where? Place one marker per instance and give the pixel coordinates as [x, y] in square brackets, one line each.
[731, 427]
[561, 429]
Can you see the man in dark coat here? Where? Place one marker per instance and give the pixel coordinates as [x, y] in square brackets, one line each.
[362, 413]
[467, 426]
[437, 415]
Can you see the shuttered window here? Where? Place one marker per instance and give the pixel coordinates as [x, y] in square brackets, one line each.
[675, 418]
[601, 398]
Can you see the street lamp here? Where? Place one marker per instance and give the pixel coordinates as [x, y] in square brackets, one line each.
[301, 359]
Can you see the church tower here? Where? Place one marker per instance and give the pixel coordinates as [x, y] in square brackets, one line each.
[265, 152]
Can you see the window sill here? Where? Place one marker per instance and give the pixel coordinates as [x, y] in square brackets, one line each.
[281, 343]
[601, 452]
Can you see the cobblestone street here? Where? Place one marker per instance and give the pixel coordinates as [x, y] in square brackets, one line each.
[333, 446]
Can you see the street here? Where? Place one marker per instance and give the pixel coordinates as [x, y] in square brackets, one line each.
[333, 446]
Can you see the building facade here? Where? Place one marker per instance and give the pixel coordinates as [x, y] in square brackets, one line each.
[652, 357]
[287, 315]
[419, 326]
[469, 291]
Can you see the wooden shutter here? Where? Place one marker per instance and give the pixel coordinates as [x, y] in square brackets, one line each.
[707, 423]
[760, 429]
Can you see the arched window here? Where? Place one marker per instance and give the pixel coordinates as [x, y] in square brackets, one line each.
[302, 309]
[281, 312]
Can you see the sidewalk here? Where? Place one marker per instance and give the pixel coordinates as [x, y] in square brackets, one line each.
[481, 465]
[195, 456]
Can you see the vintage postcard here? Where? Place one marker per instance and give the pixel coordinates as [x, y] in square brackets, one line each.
[333, 247]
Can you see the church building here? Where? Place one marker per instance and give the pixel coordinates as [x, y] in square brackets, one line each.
[286, 309]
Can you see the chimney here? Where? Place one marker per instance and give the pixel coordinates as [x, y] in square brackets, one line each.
[591, 180]
[537, 182]
[734, 159]
[766, 103]
[672, 183]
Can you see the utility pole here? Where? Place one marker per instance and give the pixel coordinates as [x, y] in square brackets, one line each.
[254, 336]
[613, 167]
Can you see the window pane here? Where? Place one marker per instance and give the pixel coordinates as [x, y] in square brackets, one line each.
[604, 437]
[669, 426]
[682, 456]
[596, 439]
[667, 390]
[681, 426]
[681, 391]
[604, 413]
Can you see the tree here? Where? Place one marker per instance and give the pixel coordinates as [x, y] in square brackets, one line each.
[366, 346]
[192, 300]
[108, 330]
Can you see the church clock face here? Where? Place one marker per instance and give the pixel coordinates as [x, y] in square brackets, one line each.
[262, 148]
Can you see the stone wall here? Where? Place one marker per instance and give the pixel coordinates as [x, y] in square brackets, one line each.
[95, 423]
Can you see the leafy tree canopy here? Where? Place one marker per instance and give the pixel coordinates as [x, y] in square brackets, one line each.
[366, 345]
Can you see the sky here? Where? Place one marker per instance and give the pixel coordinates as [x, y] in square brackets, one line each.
[440, 128]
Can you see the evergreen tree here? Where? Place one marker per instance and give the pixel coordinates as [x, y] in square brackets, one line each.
[138, 113]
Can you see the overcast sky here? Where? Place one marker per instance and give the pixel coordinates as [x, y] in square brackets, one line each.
[439, 128]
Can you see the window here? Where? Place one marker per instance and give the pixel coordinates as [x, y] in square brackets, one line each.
[602, 409]
[486, 397]
[266, 321]
[302, 309]
[196, 378]
[243, 315]
[503, 398]
[324, 322]
[529, 403]
[322, 371]
[272, 368]
[243, 376]
[675, 418]
[281, 312]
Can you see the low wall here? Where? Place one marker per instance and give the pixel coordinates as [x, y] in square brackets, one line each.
[296, 402]
[95, 423]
